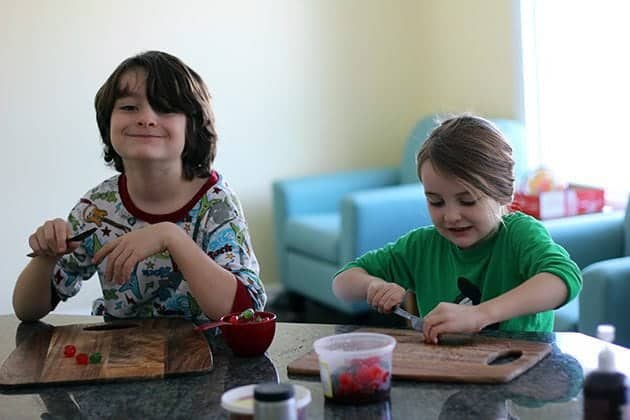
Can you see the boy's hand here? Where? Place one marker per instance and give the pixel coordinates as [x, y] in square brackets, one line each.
[452, 318]
[124, 252]
[50, 239]
[383, 295]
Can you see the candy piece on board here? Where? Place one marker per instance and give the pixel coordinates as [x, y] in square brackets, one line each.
[95, 357]
[82, 359]
[69, 350]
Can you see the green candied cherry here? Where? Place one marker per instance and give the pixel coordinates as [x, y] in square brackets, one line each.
[246, 315]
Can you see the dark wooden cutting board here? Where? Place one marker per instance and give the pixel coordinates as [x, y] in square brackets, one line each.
[469, 362]
[130, 349]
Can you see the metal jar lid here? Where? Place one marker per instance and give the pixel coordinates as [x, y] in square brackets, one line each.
[271, 392]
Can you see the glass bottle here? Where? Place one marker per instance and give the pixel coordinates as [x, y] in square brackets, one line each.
[606, 391]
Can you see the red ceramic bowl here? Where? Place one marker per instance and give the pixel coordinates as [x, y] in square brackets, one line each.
[249, 338]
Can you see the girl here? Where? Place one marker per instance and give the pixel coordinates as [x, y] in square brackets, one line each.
[171, 237]
[505, 265]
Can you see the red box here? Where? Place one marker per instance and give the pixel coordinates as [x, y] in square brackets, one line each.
[574, 200]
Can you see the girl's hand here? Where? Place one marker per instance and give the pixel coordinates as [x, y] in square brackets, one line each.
[124, 252]
[383, 295]
[451, 318]
[50, 239]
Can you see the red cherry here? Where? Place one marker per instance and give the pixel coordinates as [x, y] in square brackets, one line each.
[363, 375]
[345, 378]
[69, 350]
[375, 372]
[82, 359]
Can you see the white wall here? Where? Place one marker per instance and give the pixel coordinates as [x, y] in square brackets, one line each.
[474, 56]
[299, 87]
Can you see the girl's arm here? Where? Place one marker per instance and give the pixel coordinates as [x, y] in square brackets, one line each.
[356, 284]
[32, 293]
[351, 285]
[542, 292]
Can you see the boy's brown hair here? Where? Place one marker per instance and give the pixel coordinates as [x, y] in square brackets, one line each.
[171, 86]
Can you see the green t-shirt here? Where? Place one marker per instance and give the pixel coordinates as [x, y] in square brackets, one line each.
[427, 263]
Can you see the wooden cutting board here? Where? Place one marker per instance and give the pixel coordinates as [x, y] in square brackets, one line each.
[470, 362]
[130, 350]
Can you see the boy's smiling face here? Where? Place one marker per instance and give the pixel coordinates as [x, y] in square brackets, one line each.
[141, 135]
[462, 216]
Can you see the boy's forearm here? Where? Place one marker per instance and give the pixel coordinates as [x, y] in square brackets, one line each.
[212, 286]
[542, 292]
[352, 284]
[32, 294]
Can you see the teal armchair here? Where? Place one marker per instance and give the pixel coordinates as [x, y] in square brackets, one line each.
[589, 239]
[606, 292]
[323, 221]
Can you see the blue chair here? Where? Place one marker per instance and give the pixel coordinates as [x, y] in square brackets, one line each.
[323, 221]
[606, 293]
[589, 239]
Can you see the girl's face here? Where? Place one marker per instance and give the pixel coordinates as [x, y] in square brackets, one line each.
[462, 216]
[139, 134]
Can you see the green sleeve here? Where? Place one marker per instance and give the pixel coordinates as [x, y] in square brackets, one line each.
[391, 262]
[538, 253]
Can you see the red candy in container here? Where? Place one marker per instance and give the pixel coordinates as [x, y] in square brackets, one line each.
[249, 336]
[355, 368]
[248, 333]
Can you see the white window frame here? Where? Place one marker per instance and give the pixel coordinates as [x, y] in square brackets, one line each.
[581, 132]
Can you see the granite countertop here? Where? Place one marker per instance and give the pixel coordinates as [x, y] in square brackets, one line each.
[550, 390]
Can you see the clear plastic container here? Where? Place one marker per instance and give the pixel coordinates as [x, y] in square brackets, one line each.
[355, 368]
[239, 402]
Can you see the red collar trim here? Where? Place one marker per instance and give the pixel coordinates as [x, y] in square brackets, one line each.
[175, 216]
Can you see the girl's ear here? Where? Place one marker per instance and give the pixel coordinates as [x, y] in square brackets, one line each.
[507, 203]
[505, 209]
[494, 207]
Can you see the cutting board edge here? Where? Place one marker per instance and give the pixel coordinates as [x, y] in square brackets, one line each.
[39, 385]
[543, 350]
[9, 382]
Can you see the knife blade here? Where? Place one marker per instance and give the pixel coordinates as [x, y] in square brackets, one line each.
[446, 338]
[76, 238]
[416, 321]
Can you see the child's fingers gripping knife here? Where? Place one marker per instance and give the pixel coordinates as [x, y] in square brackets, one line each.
[375, 291]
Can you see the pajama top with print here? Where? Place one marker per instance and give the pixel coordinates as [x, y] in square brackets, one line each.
[214, 219]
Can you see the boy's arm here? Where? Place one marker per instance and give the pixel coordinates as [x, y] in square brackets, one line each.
[213, 286]
[32, 292]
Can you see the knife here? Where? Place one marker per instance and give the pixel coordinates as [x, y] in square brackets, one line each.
[76, 238]
[416, 321]
[446, 338]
